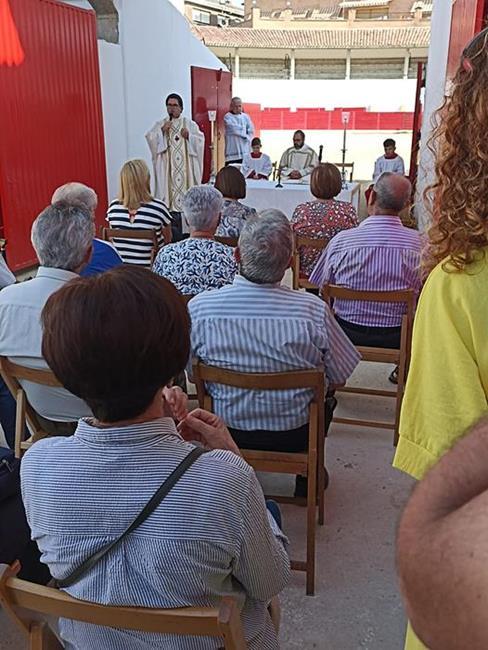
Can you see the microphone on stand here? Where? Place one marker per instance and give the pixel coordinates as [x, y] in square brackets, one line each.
[321, 151]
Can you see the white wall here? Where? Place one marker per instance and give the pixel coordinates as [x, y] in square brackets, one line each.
[434, 95]
[153, 57]
[363, 147]
[374, 94]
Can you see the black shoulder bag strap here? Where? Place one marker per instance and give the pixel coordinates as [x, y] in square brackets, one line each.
[150, 506]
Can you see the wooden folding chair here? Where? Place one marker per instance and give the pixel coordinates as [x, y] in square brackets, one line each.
[29, 605]
[346, 166]
[400, 357]
[229, 241]
[310, 464]
[316, 244]
[25, 414]
[127, 233]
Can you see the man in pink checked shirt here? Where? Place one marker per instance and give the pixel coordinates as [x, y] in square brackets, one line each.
[379, 255]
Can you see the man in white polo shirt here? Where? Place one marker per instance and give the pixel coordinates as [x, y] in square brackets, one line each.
[62, 237]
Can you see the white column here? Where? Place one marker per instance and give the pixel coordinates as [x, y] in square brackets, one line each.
[406, 64]
[348, 64]
[236, 63]
[292, 64]
[434, 95]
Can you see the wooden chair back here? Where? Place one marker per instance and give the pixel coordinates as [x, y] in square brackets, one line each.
[308, 242]
[400, 357]
[12, 373]
[346, 166]
[29, 605]
[310, 464]
[128, 233]
[229, 241]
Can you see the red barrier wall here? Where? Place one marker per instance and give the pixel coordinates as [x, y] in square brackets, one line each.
[278, 119]
[51, 128]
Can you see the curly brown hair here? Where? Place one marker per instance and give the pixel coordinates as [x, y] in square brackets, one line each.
[458, 199]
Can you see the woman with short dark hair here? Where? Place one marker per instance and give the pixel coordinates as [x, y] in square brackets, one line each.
[232, 184]
[324, 217]
[116, 340]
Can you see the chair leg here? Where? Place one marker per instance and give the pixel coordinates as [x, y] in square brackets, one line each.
[321, 481]
[311, 510]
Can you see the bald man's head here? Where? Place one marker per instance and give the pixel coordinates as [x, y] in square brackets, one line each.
[391, 194]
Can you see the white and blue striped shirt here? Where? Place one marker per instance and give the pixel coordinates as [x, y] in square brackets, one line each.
[252, 327]
[210, 537]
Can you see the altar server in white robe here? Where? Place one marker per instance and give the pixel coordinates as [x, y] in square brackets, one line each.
[239, 130]
[298, 161]
[177, 147]
[256, 165]
[390, 162]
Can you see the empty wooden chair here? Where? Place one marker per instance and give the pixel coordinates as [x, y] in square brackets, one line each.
[128, 233]
[12, 373]
[310, 464]
[316, 244]
[400, 357]
[29, 605]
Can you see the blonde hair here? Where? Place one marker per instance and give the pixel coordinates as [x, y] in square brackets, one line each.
[135, 184]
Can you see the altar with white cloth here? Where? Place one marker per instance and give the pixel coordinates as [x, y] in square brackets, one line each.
[264, 194]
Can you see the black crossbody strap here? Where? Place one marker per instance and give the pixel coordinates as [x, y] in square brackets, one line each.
[150, 506]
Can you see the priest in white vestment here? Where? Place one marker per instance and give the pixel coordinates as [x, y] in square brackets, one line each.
[256, 165]
[239, 130]
[177, 147]
[298, 161]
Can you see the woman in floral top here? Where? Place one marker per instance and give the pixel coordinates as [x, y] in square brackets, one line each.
[198, 263]
[323, 218]
[232, 184]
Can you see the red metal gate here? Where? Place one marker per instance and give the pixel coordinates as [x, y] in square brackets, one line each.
[211, 90]
[51, 126]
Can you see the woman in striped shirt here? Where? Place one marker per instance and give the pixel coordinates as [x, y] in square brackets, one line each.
[137, 209]
[211, 536]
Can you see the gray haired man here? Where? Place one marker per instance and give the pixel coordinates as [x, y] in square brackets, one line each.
[62, 237]
[104, 256]
[258, 325]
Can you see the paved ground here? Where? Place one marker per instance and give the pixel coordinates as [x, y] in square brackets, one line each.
[356, 606]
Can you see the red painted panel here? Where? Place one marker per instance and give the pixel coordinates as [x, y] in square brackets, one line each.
[254, 112]
[211, 90]
[50, 117]
[467, 19]
[277, 119]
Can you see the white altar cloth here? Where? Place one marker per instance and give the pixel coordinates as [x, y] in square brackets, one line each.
[264, 194]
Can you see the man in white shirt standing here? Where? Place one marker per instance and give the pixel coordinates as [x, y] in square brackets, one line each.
[239, 130]
[177, 146]
[389, 162]
[298, 161]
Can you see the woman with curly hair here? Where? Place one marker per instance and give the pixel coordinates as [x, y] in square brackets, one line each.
[447, 386]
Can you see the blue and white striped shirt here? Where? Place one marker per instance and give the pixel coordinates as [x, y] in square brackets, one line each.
[252, 327]
[210, 537]
[379, 255]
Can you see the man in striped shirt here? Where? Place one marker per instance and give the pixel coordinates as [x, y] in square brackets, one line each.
[258, 325]
[379, 255]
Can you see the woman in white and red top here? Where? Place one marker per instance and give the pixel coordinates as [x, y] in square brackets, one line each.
[136, 209]
[256, 165]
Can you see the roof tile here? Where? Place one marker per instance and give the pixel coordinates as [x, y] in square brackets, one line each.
[352, 38]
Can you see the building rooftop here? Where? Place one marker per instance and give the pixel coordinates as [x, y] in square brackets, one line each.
[359, 4]
[353, 38]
